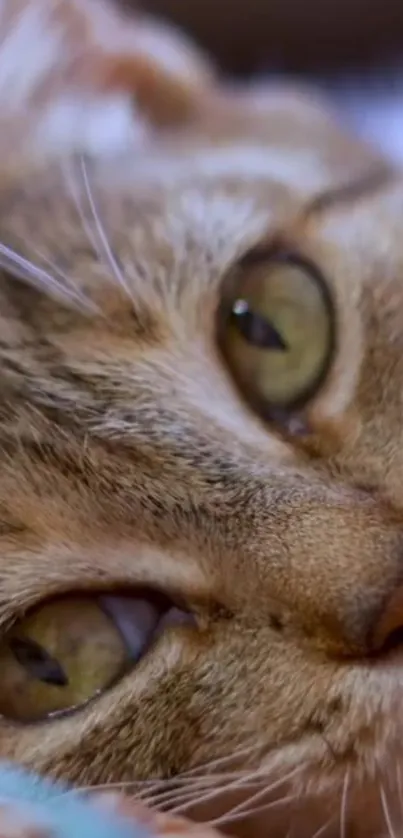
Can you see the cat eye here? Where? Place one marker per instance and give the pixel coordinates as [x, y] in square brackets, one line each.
[69, 651]
[276, 329]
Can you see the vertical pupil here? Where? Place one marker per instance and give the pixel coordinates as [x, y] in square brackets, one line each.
[255, 328]
[37, 662]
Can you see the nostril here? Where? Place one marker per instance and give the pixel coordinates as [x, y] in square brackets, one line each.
[388, 631]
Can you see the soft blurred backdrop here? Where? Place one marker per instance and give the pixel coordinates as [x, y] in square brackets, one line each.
[352, 48]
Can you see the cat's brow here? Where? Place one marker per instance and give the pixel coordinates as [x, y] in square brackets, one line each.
[371, 181]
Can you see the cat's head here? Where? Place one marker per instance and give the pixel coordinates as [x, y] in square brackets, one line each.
[201, 470]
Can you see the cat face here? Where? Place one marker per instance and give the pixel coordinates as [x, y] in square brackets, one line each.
[201, 470]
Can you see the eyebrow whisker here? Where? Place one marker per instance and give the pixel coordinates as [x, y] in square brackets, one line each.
[371, 181]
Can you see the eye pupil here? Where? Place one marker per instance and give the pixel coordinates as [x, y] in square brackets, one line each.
[37, 661]
[257, 330]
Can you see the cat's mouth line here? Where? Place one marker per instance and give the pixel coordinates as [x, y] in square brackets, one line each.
[142, 617]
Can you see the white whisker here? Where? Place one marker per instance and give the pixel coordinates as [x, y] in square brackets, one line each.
[323, 829]
[386, 812]
[72, 184]
[399, 784]
[103, 240]
[343, 806]
[155, 785]
[241, 752]
[163, 783]
[399, 778]
[191, 791]
[173, 800]
[244, 806]
[56, 270]
[204, 778]
[160, 790]
[101, 787]
[236, 815]
[203, 781]
[239, 784]
[22, 269]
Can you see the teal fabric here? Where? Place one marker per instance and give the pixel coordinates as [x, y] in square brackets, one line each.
[66, 815]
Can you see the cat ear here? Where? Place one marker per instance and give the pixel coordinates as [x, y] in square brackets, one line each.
[81, 75]
[154, 63]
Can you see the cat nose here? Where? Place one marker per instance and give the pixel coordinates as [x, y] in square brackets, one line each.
[387, 631]
[371, 628]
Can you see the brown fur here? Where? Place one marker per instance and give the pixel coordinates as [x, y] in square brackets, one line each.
[128, 457]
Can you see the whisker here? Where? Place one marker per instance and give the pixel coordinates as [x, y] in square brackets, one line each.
[343, 805]
[174, 801]
[399, 778]
[63, 276]
[103, 240]
[171, 800]
[181, 795]
[386, 812]
[100, 788]
[323, 828]
[189, 782]
[201, 782]
[72, 184]
[153, 785]
[244, 751]
[54, 267]
[247, 803]
[161, 782]
[242, 806]
[204, 778]
[22, 269]
[239, 784]
[399, 784]
[237, 816]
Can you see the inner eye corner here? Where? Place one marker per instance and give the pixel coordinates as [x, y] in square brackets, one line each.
[57, 658]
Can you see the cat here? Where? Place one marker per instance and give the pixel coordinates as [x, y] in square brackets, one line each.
[200, 442]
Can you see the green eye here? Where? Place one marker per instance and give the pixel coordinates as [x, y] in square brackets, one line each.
[277, 330]
[59, 657]
[71, 650]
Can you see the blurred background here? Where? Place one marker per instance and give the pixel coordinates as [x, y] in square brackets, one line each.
[351, 48]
